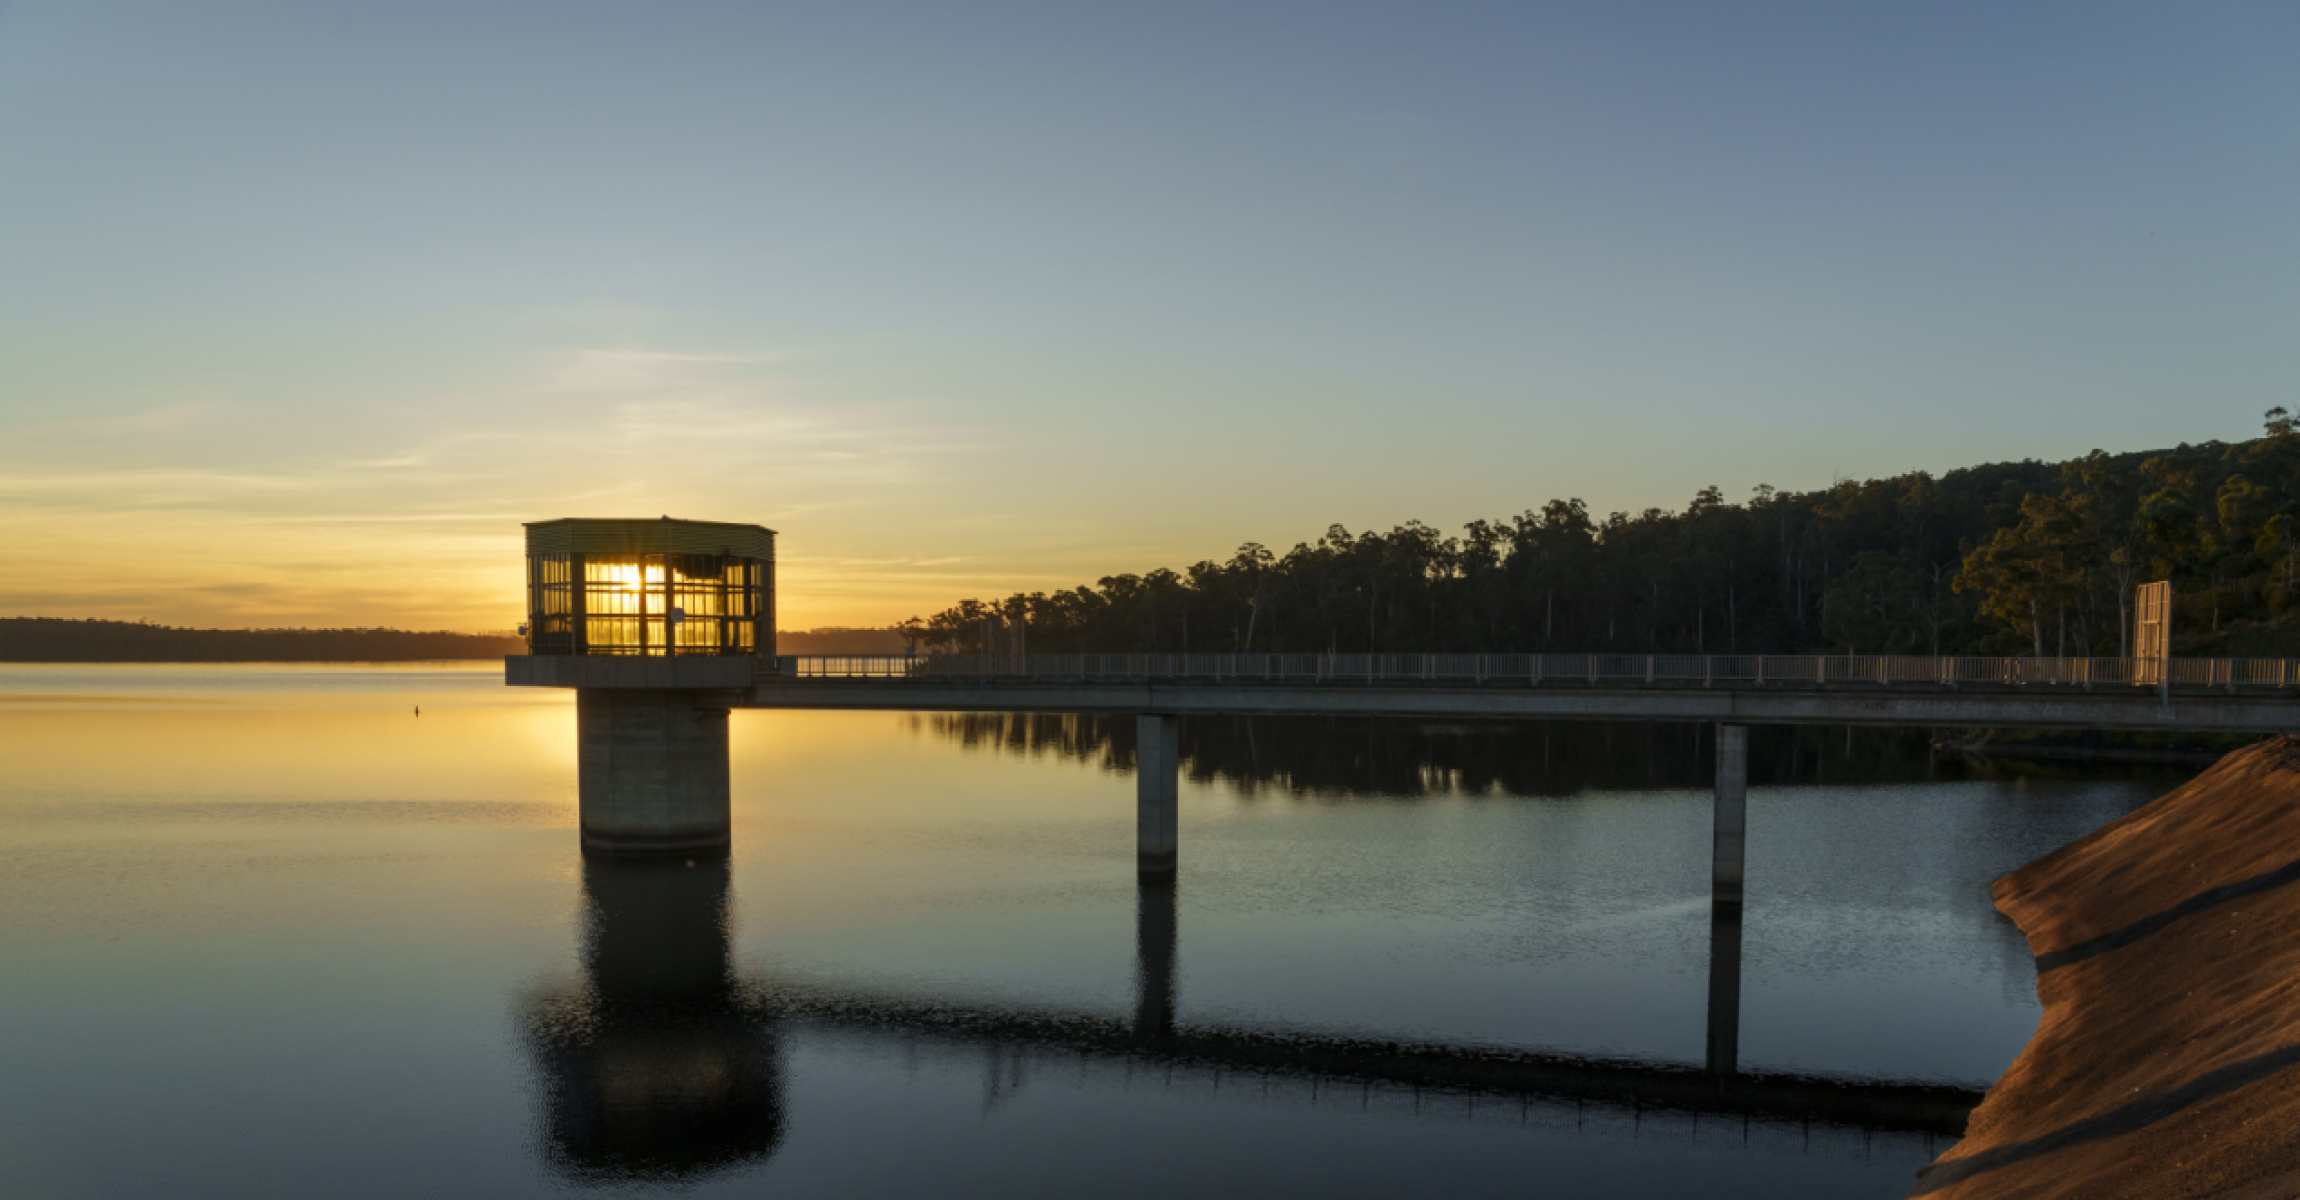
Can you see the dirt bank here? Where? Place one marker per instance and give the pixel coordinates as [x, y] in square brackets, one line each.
[2168, 958]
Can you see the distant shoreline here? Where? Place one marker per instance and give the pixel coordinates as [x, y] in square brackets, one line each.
[62, 640]
[58, 640]
[323, 660]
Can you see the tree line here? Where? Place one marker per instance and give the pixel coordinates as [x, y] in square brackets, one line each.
[2001, 559]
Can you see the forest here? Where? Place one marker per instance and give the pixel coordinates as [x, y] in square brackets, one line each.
[2025, 558]
[54, 639]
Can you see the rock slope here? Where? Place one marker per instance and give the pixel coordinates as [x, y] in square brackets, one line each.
[2168, 955]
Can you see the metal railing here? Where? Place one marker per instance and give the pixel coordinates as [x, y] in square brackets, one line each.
[1674, 670]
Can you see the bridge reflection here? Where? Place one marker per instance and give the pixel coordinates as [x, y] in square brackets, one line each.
[665, 1067]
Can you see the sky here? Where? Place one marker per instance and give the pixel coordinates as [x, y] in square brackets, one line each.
[304, 307]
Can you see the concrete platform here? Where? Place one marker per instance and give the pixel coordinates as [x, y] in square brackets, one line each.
[701, 673]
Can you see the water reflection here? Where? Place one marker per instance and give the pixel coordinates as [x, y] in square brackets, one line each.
[666, 1066]
[296, 885]
[660, 1069]
[1358, 756]
[1724, 989]
[1157, 929]
[1155, 1040]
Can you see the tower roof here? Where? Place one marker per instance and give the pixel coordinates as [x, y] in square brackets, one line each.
[636, 535]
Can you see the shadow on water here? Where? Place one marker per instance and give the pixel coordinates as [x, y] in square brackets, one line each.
[1339, 757]
[664, 1067]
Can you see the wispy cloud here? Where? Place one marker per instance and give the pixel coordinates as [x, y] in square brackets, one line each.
[165, 419]
[259, 514]
[625, 370]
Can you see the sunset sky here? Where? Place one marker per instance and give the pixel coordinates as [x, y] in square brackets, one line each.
[305, 307]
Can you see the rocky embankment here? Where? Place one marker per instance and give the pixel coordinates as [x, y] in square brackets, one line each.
[2168, 960]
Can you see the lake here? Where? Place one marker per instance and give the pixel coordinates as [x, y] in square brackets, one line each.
[269, 931]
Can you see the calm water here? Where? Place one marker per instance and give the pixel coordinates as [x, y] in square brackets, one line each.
[266, 932]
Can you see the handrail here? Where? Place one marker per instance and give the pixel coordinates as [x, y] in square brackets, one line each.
[1550, 670]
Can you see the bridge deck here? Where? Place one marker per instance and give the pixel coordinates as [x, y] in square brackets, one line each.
[2196, 695]
[2059, 708]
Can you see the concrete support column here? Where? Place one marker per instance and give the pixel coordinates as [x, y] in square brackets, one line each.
[1732, 830]
[651, 771]
[1155, 924]
[1157, 788]
[1732, 814]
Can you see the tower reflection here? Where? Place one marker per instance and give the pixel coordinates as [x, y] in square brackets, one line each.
[658, 1070]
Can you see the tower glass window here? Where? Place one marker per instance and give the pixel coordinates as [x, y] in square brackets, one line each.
[659, 588]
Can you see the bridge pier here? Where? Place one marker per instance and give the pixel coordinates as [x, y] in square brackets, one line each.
[1732, 812]
[1157, 787]
[651, 771]
[1730, 839]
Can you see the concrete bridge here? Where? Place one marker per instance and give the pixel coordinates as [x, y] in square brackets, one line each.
[654, 750]
[654, 778]
[660, 625]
